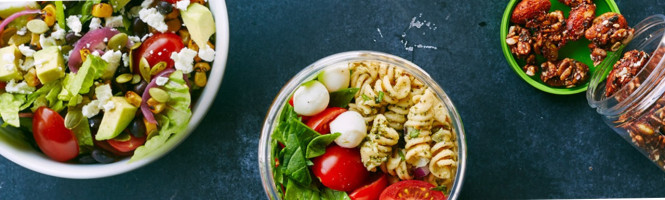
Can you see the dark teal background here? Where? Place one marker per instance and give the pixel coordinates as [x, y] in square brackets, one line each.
[522, 143]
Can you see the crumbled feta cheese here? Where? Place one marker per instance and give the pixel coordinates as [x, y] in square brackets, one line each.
[106, 40]
[95, 53]
[113, 58]
[103, 93]
[161, 81]
[125, 59]
[182, 5]
[22, 31]
[28, 63]
[146, 3]
[114, 21]
[46, 41]
[134, 39]
[26, 50]
[146, 36]
[8, 57]
[108, 106]
[184, 60]
[91, 109]
[95, 23]
[19, 88]
[74, 23]
[153, 18]
[206, 53]
[87, 45]
[58, 34]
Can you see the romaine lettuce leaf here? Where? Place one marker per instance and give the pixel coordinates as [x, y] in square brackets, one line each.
[91, 69]
[47, 94]
[82, 133]
[173, 120]
[9, 108]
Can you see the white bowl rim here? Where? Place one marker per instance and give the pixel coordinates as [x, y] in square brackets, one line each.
[38, 162]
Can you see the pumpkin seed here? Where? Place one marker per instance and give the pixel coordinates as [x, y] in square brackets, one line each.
[159, 67]
[144, 69]
[136, 79]
[19, 39]
[135, 46]
[73, 119]
[37, 26]
[123, 137]
[124, 78]
[159, 95]
[118, 41]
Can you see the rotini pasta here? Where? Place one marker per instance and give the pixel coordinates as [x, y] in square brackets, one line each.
[444, 159]
[378, 143]
[397, 166]
[396, 113]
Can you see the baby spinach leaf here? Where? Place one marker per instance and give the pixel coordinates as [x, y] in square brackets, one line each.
[317, 146]
[342, 98]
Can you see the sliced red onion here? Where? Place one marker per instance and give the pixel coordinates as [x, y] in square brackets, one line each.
[146, 95]
[94, 41]
[421, 172]
[17, 15]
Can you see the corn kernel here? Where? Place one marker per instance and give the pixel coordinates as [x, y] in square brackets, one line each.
[48, 14]
[102, 10]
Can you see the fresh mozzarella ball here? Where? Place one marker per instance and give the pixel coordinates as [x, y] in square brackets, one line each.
[310, 98]
[352, 127]
[336, 77]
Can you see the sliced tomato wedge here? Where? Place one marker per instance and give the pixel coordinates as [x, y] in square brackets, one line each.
[371, 191]
[411, 190]
[321, 122]
[129, 145]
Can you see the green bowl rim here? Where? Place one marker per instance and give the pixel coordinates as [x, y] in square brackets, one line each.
[505, 21]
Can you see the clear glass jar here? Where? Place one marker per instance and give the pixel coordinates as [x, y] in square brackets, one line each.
[637, 110]
[310, 73]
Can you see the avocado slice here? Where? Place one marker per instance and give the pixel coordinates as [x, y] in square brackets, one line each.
[9, 57]
[49, 64]
[198, 20]
[116, 120]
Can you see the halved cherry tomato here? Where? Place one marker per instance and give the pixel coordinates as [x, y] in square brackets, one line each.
[291, 100]
[56, 141]
[129, 145]
[340, 168]
[104, 144]
[371, 191]
[304, 118]
[411, 190]
[2, 85]
[172, 1]
[321, 122]
[158, 48]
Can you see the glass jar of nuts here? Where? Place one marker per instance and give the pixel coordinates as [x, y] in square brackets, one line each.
[628, 90]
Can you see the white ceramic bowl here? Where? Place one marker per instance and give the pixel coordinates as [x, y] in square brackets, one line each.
[23, 154]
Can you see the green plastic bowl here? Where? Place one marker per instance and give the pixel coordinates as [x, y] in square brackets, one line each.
[577, 50]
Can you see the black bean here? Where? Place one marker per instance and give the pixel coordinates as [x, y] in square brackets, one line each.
[164, 7]
[94, 122]
[86, 159]
[71, 37]
[102, 156]
[122, 70]
[120, 86]
[137, 128]
[139, 88]
[139, 27]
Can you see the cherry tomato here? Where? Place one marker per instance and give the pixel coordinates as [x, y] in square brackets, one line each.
[56, 141]
[158, 48]
[104, 144]
[371, 191]
[291, 101]
[129, 145]
[3, 84]
[321, 122]
[172, 1]
[340, 168]
[411, 190]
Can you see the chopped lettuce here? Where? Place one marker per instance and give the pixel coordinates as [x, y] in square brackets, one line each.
[44, 96]
[60, 14]
[9, 108]
[173, 120]
[81, 82]
[82, 133]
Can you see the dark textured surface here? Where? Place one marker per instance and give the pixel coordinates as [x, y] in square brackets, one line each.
[522, 143]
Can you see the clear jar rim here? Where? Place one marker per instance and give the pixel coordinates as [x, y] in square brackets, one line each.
[312, 70]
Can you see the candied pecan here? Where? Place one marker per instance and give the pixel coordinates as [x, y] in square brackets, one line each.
[529, 9]
[608, 32]
[549, 34]
[579, 20]
[575, 3]
[624, 70]
[519, 40]
[564, 73]
[530, 68]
